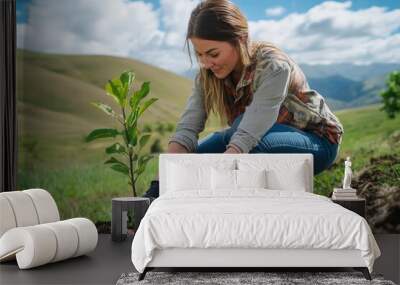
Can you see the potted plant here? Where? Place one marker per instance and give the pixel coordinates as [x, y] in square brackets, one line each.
[131, 161]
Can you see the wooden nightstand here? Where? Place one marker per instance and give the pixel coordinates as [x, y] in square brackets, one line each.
[357, 205]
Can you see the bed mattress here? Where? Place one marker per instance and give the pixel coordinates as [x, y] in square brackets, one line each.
[250, 219]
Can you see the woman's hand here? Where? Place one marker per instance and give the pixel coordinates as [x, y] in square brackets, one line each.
[174, 147]
[232, 150]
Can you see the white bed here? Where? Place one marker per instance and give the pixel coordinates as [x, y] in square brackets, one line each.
[282, 224]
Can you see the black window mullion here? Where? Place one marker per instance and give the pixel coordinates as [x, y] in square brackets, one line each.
[8, 122]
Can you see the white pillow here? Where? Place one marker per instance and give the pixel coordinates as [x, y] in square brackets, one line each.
[181, 177]
[186, 175]
[281, 174]
[225, 179]
[293, 180]
[251, 178]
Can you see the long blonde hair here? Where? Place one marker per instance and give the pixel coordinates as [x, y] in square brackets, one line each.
[221, 20]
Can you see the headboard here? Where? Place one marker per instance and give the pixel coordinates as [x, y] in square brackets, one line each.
[267, 160]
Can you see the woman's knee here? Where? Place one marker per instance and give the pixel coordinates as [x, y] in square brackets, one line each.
[278, 140]
[327, 158]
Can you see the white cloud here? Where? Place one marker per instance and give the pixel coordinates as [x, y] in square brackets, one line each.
[175, 17]
[331, 32]
[327, 33]
[172, 59]
[275, 11]
[116, 27]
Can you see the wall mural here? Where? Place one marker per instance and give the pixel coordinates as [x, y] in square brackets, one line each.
[69, 50]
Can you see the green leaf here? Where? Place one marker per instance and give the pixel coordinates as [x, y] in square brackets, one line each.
[132, 118]
[143, 140]
[117, 165]
[105, 108]
[145, 105]
[142, 162]
[127, 78]
[132, 136]
[114, 88]
[115, 148]
[120, 168]
[113, 160]
[101, 133]
[139, 95]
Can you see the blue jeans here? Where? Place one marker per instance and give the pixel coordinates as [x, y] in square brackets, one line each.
[280, 138]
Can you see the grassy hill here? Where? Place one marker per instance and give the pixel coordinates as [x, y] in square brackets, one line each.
[368, 134]
[54, 94]
[367, 128]
[54, 114]
[67, 83]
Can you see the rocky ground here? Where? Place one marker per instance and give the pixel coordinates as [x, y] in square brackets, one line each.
[379, 183]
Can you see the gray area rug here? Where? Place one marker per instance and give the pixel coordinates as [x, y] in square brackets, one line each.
[230, 278]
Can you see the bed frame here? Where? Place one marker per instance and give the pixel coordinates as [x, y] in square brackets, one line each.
[249, 257]
[260, 258]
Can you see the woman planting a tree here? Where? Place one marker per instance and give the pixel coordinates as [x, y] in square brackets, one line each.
[258, 90]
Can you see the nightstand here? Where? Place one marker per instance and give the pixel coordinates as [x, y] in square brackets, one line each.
[357, 205]
[119, 219]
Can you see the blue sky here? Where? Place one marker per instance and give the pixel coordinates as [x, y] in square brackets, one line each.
[313, 32]
[255, 9]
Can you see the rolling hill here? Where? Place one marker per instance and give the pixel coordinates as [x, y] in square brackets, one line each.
[68, 83]
[344, 93]
[350, 71]
[349, 85]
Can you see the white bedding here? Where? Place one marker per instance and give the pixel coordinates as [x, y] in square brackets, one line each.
[251, 218]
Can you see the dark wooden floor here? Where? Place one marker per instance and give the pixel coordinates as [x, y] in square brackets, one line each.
[110, 260]
[102, 266]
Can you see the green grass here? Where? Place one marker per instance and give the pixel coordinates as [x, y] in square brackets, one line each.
[368, 133]
[367, 128]
[84, 190]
